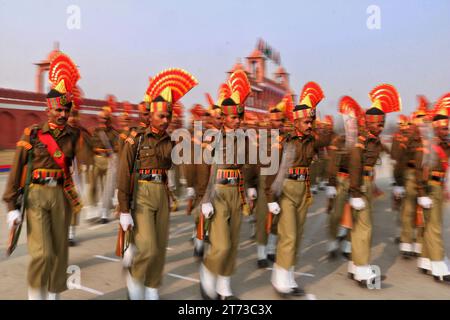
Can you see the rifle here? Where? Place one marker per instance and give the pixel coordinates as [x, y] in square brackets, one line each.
[123, 240]
[14, 233]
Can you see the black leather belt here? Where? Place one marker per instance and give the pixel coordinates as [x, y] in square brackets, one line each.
[49, 181]
[298, 177]
[153, 177]
[234, 181]
[439, 179]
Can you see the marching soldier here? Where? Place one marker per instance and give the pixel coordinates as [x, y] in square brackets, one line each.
[144, 163]
[433, 258]
[44, 155]
[289, 192]
[399, 141]
[225, 203]
[198, 172]
[409, 184]
[338, 175]
[125, 126]
[363, 158]
[84, 162]
[266, 237]
[105, 146]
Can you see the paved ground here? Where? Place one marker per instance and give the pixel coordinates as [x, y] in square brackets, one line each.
[102, 277]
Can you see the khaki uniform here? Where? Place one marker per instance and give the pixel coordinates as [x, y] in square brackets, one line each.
[85, 161]
[102, 154]
[261, 210]
[48, 211]
[227, 202]
[408, 173]
[197, 174]
[338, 177]
[364, 157]
[433, 254]
[295, 196]
[151, 216]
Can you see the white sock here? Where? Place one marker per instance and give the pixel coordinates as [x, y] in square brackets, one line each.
[223, 286]
[37, 293]
[261, 249]
[151, 294]
[135, 288]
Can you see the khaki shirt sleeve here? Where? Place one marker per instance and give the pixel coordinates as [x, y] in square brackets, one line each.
[323, 139]
[419, 169]
[12, 189]
[332, 167]
[355, 171]
[125, 175]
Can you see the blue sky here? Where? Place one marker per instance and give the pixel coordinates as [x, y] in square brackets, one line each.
[122, 43]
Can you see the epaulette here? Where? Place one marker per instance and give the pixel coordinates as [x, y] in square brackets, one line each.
[26, 145]
[27, 130]
[129, 140]
[123, 136]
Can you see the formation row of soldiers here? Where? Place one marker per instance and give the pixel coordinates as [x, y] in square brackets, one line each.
[219, 193]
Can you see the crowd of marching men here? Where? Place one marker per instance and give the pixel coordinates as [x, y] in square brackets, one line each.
[126, 172]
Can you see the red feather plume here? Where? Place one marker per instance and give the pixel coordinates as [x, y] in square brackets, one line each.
[387, 96]
[63, 68]
[348, 106]
[238, 82]
[314, 91]
[178, 80]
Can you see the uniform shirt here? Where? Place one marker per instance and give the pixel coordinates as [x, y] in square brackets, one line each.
[67, 141]
[154, 153]
[339, 159]
[98, 144]
[305, 148]
[365, 153]
[409, 154]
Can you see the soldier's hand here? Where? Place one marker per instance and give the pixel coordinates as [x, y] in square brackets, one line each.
[252, 194]
[190, 193]
[126, 221]
[207, 209]
[357, 203]
[399, 192]
[13, 218]
[274, 207]
[331, 192]
[425, 202]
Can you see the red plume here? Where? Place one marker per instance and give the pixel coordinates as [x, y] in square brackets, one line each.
[209, 99]
[387, 96]
[178, 80]
[238, 82]
[314, 92]
[348, 106]
[63, 68]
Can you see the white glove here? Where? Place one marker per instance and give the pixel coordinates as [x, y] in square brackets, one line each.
[126, 221]
[425, 202]
[207, 210]
[190, 193]
[13, 218]
[252, 194]
[274, 207]
[357, 203]
[331, 192]
[399, 192]
[128, 256]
